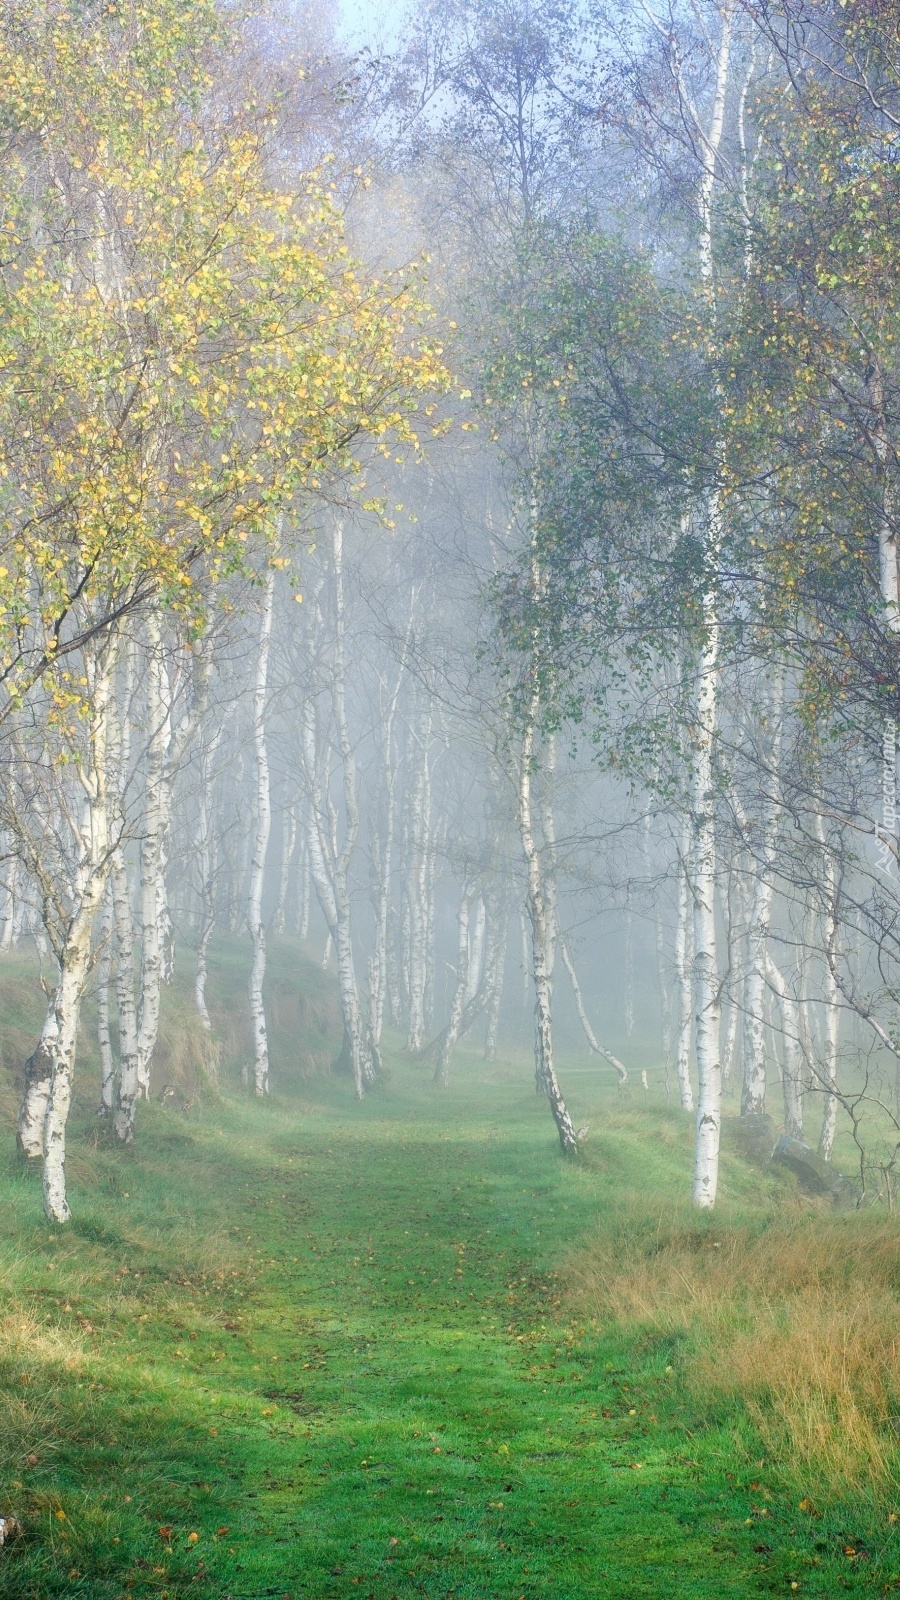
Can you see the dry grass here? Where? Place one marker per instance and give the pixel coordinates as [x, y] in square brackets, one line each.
[800, 1322]
[186, 1054]
[34, 1358]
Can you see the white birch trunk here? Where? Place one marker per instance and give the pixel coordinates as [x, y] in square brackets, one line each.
[495, 964]
[541, 941]
[151, 860]
[329, 861]
[598, 1049]
[832, 998]
[476, 952]
[128, 1087]
[792, 1067]
[362, 1066]
[417, 886]
[729, 1051]
[684, 977]
[288, 846]
[460, 991]
[303, 888]
[207, 856]
[8, 895]
[753, 1094]
[706, 963]
[260, 845]
[104, 1035]
[706, 957]
[56, 1047]
[378, 974]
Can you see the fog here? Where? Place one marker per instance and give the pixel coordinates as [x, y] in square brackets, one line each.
[489, 580]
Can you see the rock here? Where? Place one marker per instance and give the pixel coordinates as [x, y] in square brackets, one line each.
[814, 1175]
[754, 1136]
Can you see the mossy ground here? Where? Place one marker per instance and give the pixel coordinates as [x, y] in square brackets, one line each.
[314, 1349]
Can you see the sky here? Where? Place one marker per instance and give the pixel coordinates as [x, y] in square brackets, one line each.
[369, 21]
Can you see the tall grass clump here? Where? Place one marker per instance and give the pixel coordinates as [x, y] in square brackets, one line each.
[798, 1321]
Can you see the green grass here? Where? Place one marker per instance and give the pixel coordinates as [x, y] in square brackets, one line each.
[318, 1350]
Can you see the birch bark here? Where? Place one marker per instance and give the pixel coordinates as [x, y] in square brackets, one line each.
[417, 875]
[707, 992]
[166, 746]
[684, 975]
[792, 1066]
[260, 845]
[832, 995]
[598, 1049]
[460, 990]
[104, 1034]
[206, 854]
[753, 1094]
[541, 940]
[288, 846]
[48, 1089]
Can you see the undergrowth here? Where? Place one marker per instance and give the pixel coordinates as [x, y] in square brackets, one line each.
[795, 1318]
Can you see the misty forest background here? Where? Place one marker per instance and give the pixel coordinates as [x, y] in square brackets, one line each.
[450, 648]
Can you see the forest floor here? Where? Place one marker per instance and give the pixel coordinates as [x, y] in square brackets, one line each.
[314, 1349]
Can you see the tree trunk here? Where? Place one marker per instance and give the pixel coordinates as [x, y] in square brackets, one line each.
[706, 961]
[417, 879]
[53, 1092]
[207, 859]
[104, 1037]
[288, 846]
[832, 998]
[598, 1049]
[303, 888]
[753, 1093]
[151, 860]
[260, 846]
[684, 977]
[129, 1085]
[792, 1067]
[460, 992]
[706, 957]
[545, 1073]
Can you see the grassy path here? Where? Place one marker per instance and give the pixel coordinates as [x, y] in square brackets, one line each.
[340, 1363]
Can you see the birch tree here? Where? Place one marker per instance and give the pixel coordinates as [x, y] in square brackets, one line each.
[261, 843]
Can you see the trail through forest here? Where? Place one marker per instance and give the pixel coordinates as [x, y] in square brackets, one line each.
[330, 1352]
